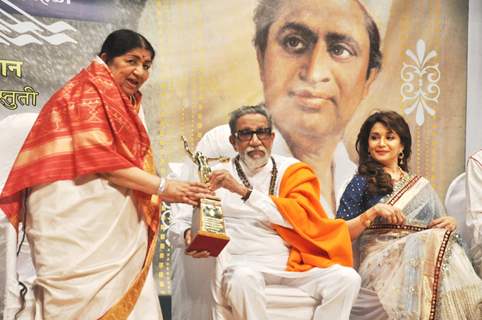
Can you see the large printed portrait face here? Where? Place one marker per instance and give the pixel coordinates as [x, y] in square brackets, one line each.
[314, 68]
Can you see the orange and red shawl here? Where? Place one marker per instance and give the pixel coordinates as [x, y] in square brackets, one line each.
[315, 240]
[88, 126]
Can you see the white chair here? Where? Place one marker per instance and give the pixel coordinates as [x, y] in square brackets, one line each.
[455, 203]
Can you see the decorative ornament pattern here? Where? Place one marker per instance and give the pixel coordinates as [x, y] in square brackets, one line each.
[420, 78]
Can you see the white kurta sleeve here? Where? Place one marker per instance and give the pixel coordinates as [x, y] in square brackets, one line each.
[181, 216]
[263, 203]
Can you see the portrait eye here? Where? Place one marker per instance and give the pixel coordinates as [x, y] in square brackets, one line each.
[146, 66]
[340, 51]
[294, 44]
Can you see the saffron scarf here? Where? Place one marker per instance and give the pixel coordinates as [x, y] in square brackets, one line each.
[315, 240]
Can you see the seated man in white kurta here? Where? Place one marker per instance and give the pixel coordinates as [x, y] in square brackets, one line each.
[279, 232]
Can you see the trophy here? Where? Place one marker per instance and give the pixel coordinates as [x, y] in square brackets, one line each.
[208, 231]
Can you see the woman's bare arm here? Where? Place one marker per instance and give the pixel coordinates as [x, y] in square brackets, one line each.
[357, 225]
[174, 191]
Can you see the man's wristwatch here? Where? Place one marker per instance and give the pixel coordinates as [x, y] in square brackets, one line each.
[246, 196]
[162, 186]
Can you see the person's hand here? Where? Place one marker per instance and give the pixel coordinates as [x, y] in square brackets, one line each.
[193, 253]
[224, 179]
[390, 213]
[446, 222]
[185, 192]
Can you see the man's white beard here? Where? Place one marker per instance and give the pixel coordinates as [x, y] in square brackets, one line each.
[254, 164]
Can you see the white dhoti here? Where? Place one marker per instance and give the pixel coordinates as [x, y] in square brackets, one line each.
[336, 288]
[88, 245]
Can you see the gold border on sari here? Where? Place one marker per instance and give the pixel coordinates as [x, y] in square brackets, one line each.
[149, 208]
[410, 185]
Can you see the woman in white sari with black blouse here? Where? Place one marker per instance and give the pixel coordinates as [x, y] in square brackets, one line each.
[410, 259]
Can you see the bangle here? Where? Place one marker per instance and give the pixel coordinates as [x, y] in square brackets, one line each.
[246, 196]
[162, 186]
[365, 220]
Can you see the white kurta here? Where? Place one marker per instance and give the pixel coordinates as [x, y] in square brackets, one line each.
[256, 257]
[474, 207]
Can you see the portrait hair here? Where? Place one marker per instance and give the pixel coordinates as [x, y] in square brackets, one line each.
[266, 14]
[380, 182]
[244, 110]
[122, 41]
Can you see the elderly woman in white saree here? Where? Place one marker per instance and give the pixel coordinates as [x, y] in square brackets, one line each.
[409, 257]
[84, 186]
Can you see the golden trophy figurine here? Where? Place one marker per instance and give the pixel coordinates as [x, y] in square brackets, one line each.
[208, 231]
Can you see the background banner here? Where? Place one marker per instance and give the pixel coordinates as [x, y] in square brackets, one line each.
[206, 66]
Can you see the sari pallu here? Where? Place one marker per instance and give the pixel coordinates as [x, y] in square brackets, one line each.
[417, 272]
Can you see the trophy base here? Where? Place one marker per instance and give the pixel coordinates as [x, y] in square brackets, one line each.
[211, 242]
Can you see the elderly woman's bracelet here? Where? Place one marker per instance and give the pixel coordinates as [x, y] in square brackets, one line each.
[162, 185]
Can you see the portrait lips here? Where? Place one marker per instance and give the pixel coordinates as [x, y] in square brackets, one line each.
[311, 101]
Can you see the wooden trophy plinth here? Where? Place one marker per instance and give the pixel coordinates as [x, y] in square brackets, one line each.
[208, 230]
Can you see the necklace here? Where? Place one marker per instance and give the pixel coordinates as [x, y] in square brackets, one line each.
[244, 179]
[401, 174]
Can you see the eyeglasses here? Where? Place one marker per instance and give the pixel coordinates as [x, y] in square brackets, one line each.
[247, 135]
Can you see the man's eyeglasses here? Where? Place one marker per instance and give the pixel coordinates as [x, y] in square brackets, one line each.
[247, 135]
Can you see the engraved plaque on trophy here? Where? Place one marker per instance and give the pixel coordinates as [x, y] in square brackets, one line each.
[208, 230]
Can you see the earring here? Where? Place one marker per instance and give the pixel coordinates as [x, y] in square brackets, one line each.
[400, 158]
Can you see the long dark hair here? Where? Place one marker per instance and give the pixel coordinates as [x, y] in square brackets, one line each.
[122, 41]
[380, 182]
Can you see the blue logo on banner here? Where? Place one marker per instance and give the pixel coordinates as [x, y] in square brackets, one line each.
[100, 11]
[19, 28]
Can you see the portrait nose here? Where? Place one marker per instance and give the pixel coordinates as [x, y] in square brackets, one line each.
[317, 66]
